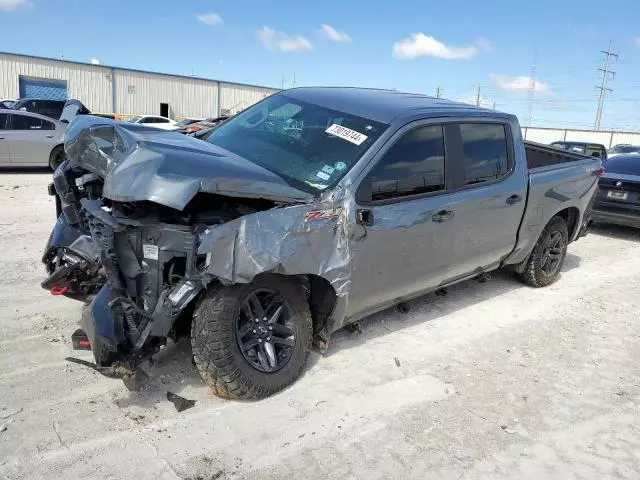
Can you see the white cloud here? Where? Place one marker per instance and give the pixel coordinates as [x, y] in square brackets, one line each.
[13, 4]
[95, 61]
[275, 40]
[211, 19]
[636, 41]
[519, 84]
[484, 44]
[421, 45]
[334, 35]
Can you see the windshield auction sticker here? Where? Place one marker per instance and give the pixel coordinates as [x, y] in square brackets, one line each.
[346, 134]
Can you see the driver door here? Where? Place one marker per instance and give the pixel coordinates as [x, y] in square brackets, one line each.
[407, 245]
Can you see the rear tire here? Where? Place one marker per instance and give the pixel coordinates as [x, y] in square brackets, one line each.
[57, 157]
[547, 257]
[217, 330]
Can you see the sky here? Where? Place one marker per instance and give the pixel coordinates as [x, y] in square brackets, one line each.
[408, 45]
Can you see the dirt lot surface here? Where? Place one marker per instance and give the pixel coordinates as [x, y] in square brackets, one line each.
[491, 381]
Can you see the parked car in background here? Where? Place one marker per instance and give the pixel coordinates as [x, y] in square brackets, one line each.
[188, 121]
[205, 124]
[618, 199]
[46, 107]
[586, 148]
[7, 103]
[163, 123]
[33, 140]
[623, 148]
[277, 239]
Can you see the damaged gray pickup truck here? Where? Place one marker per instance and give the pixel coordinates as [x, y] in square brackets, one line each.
[306, 212]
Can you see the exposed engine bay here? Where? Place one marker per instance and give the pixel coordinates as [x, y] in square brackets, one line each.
[139, 258]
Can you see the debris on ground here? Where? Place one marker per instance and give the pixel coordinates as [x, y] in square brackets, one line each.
[508, 430]
[4, 426]
[397, 362]
[355, 328]
[180, 403]
[5, 415]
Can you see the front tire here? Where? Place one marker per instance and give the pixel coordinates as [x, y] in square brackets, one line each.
[57, 157]
[252, 340]
[547, 258]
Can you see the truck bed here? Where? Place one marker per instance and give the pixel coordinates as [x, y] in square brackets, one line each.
[539, 155]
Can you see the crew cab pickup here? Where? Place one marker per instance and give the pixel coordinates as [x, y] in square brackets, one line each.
[264, 239]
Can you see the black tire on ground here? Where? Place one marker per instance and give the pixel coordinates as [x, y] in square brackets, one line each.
[57, 157]
[216, 347]
[538, 271]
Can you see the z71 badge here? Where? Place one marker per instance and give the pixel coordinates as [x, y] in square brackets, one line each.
[322, 214]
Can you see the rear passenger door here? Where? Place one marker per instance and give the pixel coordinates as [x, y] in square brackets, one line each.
[490, 189]
[31, 139]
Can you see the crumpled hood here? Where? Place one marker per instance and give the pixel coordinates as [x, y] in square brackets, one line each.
[142, 163]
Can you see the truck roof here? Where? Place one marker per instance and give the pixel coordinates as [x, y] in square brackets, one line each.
[383, 105]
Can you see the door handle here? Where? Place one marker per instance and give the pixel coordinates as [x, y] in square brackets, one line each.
[442, 216]
[49, 136]
[513, 199]
[364, 217]
[1, 138]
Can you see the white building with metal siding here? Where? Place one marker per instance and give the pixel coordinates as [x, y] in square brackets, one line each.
[124, 91]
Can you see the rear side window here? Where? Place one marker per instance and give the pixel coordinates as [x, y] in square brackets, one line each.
[160, 120]
[484, 152]
[24, 122]
[414, 165]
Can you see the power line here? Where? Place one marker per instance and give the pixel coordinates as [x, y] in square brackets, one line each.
[603, 87]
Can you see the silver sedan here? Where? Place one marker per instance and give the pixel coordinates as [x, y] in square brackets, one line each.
[32, 140]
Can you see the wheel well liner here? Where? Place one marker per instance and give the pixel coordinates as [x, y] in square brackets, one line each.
[571, 216]
[322, 301]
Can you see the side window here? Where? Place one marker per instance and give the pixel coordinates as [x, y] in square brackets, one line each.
[146, 120]
[484, 152]
[160, 120]
[25, 122]
[3, 121]
[412, 166]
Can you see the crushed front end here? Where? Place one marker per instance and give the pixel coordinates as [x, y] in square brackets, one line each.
[135, 260]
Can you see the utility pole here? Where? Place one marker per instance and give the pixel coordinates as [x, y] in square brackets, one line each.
[603, 86]
[438, 92]
[478, 97]
[494, 104]
[283, 81]
[294, 80]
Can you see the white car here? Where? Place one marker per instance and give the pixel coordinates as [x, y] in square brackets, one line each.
[163, 123]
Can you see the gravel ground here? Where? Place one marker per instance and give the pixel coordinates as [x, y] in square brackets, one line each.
[491, 381]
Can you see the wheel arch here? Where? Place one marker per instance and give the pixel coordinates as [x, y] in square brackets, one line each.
[571, 216]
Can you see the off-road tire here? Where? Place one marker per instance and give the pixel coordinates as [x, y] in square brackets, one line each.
[533, 274]
[216, 351]
[57, 157]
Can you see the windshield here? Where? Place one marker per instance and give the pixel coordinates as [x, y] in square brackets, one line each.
[625, 149]
[134, 119]
[572, 147]
[300, 141]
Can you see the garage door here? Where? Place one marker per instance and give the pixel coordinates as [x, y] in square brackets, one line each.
[43, 88]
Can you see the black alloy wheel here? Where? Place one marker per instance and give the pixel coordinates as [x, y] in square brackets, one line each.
[264, 330]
